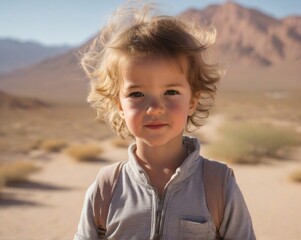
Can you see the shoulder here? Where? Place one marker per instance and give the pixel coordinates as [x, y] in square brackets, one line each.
[218, 176]
[109, 172]
[216, 167]
[106, 176]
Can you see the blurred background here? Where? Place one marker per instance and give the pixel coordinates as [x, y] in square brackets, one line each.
[52, 146]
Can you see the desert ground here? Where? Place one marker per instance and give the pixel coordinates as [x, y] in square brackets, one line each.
[48, 204]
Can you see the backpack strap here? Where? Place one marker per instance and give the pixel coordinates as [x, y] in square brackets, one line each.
[106, 179]
[215, 178]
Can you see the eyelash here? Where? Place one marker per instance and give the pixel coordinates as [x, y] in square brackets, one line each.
[136, 94]
[140, 94]
[172, 92]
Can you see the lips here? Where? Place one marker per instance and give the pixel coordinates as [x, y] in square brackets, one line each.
[155, 125]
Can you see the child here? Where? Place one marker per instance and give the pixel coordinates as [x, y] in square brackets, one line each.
[149, 81]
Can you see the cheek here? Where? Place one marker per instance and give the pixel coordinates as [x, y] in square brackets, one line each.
[180, 106]
[135, 107]
[131, 110]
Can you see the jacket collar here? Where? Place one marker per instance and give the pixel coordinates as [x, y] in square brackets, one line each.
[187, 168]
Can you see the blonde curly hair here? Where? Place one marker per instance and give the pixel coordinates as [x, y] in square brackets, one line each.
[139, 32]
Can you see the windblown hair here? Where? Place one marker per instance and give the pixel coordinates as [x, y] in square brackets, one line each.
[136, 33]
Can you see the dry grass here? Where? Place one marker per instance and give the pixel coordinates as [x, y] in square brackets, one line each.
[34, 144]
[84, 152]
[233, 152]
[238, 105]
[52, 145]
[17, 171]
[296, 176]
[250, 142]
[2, 182]
[68, 122]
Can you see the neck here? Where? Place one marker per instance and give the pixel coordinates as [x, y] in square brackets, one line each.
[166, 157]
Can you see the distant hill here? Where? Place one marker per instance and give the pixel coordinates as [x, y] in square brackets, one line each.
[16, 54]
[56, 79]
[10, 101]
[260, 53]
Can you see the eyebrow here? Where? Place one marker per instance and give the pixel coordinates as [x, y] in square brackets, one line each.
[174, 85]
[133, 86]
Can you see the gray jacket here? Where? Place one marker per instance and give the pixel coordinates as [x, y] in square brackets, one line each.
[136, 212]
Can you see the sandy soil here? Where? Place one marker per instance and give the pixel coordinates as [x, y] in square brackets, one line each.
[273, 200]
[49, 205]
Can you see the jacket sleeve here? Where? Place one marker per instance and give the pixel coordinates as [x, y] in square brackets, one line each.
[237, 223]
[87, 229]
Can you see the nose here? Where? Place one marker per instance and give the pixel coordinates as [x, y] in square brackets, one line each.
[155, 107]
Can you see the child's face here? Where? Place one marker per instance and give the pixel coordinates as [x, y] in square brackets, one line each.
[156, 99]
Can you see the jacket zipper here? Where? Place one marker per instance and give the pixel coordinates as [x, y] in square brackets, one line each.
[159, 217]
[160, 214]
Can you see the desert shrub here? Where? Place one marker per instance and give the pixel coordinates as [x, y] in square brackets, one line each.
[2, 181]
[233, 151]
[121, 143]
[17, 171]
[53, 145]
[296, 176]
[84, 152]
[34, 144]
[250, 142]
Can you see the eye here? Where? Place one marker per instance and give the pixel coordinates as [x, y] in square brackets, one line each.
[136, 95]
[172, 92]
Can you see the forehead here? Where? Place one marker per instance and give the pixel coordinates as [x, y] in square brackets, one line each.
[150, 65]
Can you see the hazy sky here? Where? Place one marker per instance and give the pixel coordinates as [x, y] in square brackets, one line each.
[75, 21]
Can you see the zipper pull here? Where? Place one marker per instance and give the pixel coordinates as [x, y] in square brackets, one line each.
[157, 237]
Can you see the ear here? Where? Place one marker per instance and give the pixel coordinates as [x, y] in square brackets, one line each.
[193, 104]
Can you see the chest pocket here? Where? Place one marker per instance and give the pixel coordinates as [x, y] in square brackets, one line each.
[196, 230]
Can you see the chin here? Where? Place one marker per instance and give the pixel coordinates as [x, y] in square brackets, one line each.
[158, 141]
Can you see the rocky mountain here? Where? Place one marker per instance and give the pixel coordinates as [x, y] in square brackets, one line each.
[259, 52]
[251, 36]
[15, 54]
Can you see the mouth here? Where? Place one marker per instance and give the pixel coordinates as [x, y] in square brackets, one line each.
[155, 125]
